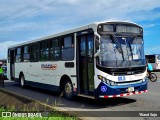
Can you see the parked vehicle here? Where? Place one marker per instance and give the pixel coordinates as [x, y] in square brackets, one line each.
[154, 60]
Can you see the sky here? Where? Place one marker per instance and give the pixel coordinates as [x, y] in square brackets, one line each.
[27, 20]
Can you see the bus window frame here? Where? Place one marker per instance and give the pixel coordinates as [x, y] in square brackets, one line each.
[37, 59]
[73, 43]
[51, 47]
[41, 50]
[24, 53]
[18, 54]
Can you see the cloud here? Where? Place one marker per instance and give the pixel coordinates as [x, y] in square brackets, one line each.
[44, 17]
[4, 46]
[150, 25]
[81, 9]
[40, 15]
[152, 50]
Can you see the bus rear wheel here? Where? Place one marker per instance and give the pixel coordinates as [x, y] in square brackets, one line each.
[68, 90]
[22, 81]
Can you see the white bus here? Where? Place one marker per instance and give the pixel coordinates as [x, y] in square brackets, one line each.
[99, 60]
[154, 60]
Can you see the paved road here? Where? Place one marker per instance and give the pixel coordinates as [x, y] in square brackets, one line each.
[149, 101]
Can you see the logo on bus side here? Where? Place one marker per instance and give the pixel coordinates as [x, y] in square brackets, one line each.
[48, 66]
[103, 88]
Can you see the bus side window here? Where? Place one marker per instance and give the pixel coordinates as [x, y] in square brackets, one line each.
[44, 51]
[18, 55]
[55, 49]
[68, 48]
[26, 55]
[34, 53]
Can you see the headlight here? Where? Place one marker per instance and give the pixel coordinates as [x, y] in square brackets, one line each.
[103, 79]
[143, 80]
[108, 82]
[112, 83]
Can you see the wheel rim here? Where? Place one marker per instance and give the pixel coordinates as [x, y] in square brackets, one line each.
[68, 89]
[22, 81]
[153, 77]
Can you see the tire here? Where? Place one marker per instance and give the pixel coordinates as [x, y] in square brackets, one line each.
[22, 81]
[153, 77]
[68, 90]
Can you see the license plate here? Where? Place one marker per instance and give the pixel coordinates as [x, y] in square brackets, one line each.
[131, 89]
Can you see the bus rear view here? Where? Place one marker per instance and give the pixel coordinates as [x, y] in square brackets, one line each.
[154, 59]
[120, 62]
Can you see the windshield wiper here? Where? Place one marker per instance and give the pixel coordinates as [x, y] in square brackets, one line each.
[129, 44]
[118, 45]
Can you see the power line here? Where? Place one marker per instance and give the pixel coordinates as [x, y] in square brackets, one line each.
[3, 19]
[48, 4]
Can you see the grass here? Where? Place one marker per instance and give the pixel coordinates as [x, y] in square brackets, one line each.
[24, 106]
[52, 115]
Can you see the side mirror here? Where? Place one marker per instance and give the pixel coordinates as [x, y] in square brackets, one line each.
[97, 43]
[96, 54]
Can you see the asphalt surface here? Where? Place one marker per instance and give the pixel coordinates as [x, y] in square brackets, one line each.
[149, 101]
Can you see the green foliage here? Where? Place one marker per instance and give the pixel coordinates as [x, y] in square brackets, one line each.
[54, 115]
[43, 118]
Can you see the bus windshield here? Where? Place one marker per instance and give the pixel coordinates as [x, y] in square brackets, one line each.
[118, 51]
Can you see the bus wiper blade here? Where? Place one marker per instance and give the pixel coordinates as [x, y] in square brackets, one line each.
[129, 44]
[118, 45]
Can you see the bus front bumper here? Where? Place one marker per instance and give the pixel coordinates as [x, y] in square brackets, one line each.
[106, 91]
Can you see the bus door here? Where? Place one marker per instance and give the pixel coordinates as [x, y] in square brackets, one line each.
[85, 63]
[12, 64]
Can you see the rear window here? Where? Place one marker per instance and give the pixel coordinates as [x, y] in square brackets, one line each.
[158, 57]
[150, 58]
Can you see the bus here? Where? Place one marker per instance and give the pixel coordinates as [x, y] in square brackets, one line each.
[154, 60]
[99, 60]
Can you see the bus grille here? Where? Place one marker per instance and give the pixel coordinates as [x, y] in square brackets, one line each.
[127, 73]
[129, 82]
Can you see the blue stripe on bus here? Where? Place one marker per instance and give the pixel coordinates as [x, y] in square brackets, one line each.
[104, 89]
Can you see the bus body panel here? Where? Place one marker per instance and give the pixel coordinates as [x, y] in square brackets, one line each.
[126, 78]
[119, 90]
[122, 86]
[48, 74]
[34, 72]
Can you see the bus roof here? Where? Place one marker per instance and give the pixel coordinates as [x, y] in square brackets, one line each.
[152, 54]
[93, 26]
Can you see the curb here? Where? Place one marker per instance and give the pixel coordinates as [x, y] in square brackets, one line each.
[60, 110]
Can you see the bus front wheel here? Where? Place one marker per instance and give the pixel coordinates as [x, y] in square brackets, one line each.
[68, 90]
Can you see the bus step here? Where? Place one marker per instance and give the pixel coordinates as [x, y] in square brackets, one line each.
[87, 96]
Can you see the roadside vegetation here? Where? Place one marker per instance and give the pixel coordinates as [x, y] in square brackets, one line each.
[16, 104]
[51, 115]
